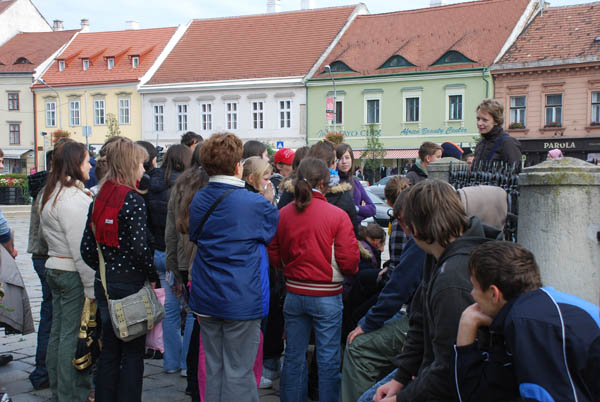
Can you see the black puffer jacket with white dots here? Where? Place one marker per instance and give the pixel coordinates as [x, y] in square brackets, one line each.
[132, 261]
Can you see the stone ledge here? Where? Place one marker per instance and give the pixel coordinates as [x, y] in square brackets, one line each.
[561, 172]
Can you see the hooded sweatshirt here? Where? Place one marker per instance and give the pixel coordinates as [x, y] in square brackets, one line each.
[436, 308]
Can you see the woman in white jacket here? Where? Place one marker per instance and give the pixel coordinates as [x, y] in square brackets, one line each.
[64, 208]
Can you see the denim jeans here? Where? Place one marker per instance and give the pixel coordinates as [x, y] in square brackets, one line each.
[120, 368]
[173, 357]
[370, 393]
[302, 313]
[40, 374]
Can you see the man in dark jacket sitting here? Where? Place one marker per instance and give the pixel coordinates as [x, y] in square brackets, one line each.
[541, 344]
[435, 215]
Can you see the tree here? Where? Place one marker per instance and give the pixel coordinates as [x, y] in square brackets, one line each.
[113, 126]
[375, 152]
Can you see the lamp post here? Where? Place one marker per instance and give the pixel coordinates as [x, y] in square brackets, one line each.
[328, 67]
[41, 81]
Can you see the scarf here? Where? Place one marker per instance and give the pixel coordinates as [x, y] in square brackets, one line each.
[108, 203]
[419, 164]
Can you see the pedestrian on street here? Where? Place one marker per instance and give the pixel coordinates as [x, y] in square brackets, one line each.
[345, 166]
[64, 204]
[230, 281]
[121, 234]
[311, 234]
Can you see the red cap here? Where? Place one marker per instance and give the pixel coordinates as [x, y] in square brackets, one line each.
[285, 156]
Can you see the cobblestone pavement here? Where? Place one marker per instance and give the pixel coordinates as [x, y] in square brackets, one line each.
[158, 386]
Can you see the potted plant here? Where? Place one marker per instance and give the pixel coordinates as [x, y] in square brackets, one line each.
[595, 123]
[553, 124]
[13, 189]
[516, 126]
[58, 134]
[336, 138]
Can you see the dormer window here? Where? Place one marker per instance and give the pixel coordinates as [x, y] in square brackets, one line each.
[135, 61]
[110, 62]
[396, 61]
[22, 60]
[61, 65]
[339, 67]
[86, 64]
[453, 57]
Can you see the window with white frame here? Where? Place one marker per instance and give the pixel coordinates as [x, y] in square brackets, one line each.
[86, 64]
[51, 114]
[412, 108]
[285, 113]
[596, 108]
[124, 110]
[61, 65]
[14, 133]
[135, 61]
[372, 110]
[455, 107]
[159, 116]
[182, 117]
[518, 108]
[99, 112]
[258, 115]
[74, 110]
[206, 116]
[232, 115]
[110, 62]
[554, 110]
[13, 101]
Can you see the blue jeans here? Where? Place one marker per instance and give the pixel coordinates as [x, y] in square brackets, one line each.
[173, 358]
[120, 367]
[40, 374]
[302, 313]
[370, 393]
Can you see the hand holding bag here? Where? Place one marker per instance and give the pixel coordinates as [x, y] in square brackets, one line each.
[134, 315]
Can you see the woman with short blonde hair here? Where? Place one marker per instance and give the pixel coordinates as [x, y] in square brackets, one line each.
[117, 225]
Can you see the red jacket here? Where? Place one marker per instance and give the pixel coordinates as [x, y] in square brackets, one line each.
[315, 248]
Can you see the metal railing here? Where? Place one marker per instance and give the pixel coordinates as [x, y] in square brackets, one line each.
[497, 174]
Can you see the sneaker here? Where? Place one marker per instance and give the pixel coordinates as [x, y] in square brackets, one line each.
[183, 373]
[171, 371]
[265, 383]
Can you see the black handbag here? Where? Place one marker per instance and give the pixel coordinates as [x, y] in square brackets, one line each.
[89, 344]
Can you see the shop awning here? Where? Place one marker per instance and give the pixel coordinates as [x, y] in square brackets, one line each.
[14, 153]
[394, 154]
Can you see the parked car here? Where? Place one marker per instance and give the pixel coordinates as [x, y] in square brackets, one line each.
[382, 216]
[379, 187]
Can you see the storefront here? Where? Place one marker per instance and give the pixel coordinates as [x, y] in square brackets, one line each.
[536, 151]
[18, 160]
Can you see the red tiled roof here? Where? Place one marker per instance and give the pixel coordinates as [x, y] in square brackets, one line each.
[257, 46]
[34, 46]
[5, 4]
[477, 29]
[559, 33]
[97, 46]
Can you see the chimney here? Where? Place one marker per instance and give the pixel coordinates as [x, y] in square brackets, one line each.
[132, 24]
[85, 25]
[435, 3]
[57, 25]
[307, 4]
[273, 6]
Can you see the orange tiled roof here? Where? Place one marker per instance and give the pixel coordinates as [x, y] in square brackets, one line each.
[4, 4]
[477, 30]
[559, 33]
[257, 46]
[33, 46]
[98, 46]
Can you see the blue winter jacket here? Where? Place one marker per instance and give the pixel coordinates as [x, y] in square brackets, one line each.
[230, 274]
[4, 229]
[542, 346]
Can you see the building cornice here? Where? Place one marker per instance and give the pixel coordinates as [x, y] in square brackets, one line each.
[578, 62]
[87, 87]
[254, 83]
[412, 76]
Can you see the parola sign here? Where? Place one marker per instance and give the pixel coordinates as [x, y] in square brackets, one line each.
[560, 145]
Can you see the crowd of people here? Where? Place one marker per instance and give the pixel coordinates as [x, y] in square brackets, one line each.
[261, 255]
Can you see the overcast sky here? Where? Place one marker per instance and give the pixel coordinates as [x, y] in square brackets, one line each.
[107, 15]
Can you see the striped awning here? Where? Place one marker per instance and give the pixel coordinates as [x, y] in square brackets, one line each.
[394, 154]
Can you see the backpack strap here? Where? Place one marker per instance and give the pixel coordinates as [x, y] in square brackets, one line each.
[211, 209]
[497, 144]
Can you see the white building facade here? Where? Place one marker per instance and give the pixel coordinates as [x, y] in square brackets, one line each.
[20, 16]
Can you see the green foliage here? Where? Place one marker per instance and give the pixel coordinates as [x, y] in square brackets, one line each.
[13, 180]
[270, 150]
[113, 126]
[375, 152]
